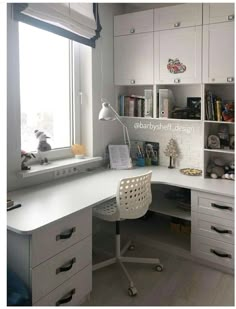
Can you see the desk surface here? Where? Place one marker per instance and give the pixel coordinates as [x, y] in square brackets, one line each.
[45, 203]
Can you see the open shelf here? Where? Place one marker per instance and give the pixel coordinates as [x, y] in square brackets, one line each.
[170, 207]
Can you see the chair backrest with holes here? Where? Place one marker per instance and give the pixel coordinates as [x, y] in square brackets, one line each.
[134, 196]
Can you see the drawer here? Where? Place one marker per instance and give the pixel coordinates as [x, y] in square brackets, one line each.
[217, 12]
[178, 16]
[138, 22]
[50, 274]
[56, 237]
[212, 204]
[71, 292]
[212, 250]
[213, 227]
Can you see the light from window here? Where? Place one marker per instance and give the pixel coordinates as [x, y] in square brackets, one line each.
[44, 87]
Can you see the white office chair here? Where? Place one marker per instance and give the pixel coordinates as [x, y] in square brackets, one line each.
[132, 201]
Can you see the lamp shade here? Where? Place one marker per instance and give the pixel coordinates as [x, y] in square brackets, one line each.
[106, 112]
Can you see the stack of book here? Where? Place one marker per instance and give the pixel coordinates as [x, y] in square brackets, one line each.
[136, 106]
[213, 107]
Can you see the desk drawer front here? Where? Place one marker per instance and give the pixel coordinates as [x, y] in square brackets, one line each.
[50, 274]
[58, 236]
[71, 292]
[213, 227]
[212, 204]
[212, 250]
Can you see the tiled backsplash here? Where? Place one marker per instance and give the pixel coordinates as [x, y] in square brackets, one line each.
[187, 134]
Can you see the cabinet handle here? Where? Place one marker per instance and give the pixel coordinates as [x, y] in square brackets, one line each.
[132, 30]
[177, 80]
[221, 231]
[177, 24]
[223, 255]
[66, 299]
[230, 79]
[231, 17]
[132, 81]
[66, 234]
[66, 266]
[222, 207]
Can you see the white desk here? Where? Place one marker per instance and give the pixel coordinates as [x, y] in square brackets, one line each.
[64, 208]
[45, 203]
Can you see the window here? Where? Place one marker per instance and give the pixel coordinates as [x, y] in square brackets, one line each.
[46, 89]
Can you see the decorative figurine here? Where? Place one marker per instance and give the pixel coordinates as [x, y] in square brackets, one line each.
[26, 157]
[43, 144]
[228, 112]
[171, 151]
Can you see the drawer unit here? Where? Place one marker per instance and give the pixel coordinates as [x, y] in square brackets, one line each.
[213, 227]
[212, 204]
[71, 292]
[139, 22]
[50, 274]
[212, 250]
[56, 237]
[217, 12]
[178, 16]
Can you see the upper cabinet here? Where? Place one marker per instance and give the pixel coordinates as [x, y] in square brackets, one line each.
[178, 56]
[133, 48]
[131, 23]
[218, 53]
[217, 12]
[178, 16]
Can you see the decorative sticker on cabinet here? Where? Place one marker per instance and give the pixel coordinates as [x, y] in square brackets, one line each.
[175, 66]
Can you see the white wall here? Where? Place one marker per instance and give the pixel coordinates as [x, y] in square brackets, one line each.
[95, 134]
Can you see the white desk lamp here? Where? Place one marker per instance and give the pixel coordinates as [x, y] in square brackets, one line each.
[106, 114]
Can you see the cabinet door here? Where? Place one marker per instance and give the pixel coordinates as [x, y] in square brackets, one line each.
[178, 16]
[133, 58]
[180, 56]
[217, 12]
[139, 22]
[218, 53]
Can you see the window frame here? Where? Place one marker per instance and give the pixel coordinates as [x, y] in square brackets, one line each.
[75, 104]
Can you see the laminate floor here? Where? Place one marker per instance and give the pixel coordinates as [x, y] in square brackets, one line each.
[182, 282]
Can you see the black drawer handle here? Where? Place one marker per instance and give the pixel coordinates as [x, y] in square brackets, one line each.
[221, 231]
[66, 234]
[66, 267]
[221, 207]
[66, 299]
[223, 255]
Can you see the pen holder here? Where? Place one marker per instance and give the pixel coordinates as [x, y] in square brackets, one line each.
[154, 161]
[140, 162]
[148, 161]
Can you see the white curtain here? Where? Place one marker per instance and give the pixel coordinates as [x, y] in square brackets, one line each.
[74, 17]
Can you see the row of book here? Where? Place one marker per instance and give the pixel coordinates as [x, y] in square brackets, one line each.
[213, 107]
[136, 106]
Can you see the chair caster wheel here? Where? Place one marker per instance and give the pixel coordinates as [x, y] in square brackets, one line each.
[132, 291]
[159, 267]
[131, 248]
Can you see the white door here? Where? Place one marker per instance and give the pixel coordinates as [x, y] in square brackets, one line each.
[180, 56]
[218, 53]
[133, 58]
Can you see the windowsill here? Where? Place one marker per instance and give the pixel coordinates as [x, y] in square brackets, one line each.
[56, 165]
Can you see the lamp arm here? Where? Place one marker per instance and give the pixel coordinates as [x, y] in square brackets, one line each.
[125, 129]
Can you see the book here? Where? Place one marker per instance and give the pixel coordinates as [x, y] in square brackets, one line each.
[119, 156]
[131, 106]
[166, 103]
[148, 105]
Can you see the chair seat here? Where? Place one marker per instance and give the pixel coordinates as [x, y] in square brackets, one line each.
[107, 211]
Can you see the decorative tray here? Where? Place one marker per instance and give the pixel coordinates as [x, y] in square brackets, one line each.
[191, 171]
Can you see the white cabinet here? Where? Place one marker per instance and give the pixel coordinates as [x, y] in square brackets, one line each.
[49, 260]
[212, 236]
[133, 59]
[178, 16]
[133, 48]
[139, 22]
[217, 12]
[218, 53]
[179, 53]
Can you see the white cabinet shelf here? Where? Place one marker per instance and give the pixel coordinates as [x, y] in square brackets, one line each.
[229, 151]
[169, 207]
